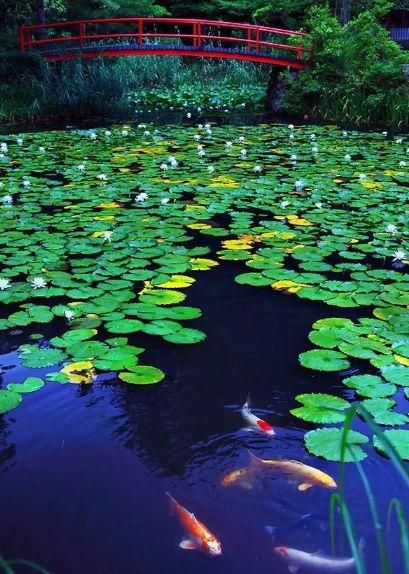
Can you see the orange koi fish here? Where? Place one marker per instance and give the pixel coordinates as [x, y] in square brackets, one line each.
[198, 537]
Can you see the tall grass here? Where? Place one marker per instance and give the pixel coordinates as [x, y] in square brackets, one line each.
[82, 88]
[380, 529]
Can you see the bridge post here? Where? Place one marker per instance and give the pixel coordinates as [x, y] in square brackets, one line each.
[140, 31]
[21, 38]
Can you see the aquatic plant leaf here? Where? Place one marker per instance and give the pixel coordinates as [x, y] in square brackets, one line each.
[323, 360]
[320, 408]
[142, 375]
[124, 326]
[9, 400]
[79, 372]
[399, 439]
[254, 279]
[370, 386]
[162, 297]
[327, 444]
[186, 336]
[36, 357]
[30, 385]
[396, 374]
[161, 327]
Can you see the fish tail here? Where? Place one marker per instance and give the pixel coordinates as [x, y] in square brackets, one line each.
[173, 503]
[247, 403]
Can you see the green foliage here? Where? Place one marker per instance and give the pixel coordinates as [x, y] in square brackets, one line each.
[357, 73]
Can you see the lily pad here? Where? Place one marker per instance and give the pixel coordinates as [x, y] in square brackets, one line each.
[399, 439]
[30, 385]
[9, 400]
[321, 408]
[323, 360]
[327, 444]
[142, 375]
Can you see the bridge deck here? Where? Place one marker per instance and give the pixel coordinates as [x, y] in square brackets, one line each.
[151, 36]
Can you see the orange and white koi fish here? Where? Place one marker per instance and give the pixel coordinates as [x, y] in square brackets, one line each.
[315, 562]
[198, 537]
[306, 476]
[255, 423]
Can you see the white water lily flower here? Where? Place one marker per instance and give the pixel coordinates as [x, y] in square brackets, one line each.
[146, 133]
[197, 137]
[402, 163]
[345, 134]
[4, 283]
[207, 126]
[362, 176]
[290, 126]
[81, 167]
[291, 137]
[318, 205]
[399, 140]
[141, 126]
[165, 200]
[26, 183]
[201, 152]
[42, 149]
[209, 132]
[241, 139]
[164, 166]
[4, 147]
[284, 203]
[108, 133]
[69, 315]
[7, 199]
[102, 176]
[143, 196]
[210, 169]
[124, 132]
[293, 157]
[93, 135]
[173, 161]
[2, 155]
[399, 255]
[188, 115]
[200, 126]
[19, 141]
[299, 185]
[107, 236]
[228, 144]
[347, 157]
[243, 152]
[313, 136]
[391, 228]
[38, 283]
[257, 168]
[385, 133]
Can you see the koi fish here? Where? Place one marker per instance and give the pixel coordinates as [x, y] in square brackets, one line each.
[255, 423]
[306, 476]
[314, 562]
[306, 522]
[198, 537]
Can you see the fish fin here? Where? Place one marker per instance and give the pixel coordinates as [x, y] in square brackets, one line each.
[247, 429]
[305, 486]
[272, 530]
[247, 403]
[293, 569]
[254, 460]
[173, 503]
[188, 544]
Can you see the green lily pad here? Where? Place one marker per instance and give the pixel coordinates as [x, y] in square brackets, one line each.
[9, 400]
[327, 443]
[36, 357]
[124, 326]
[142, 375]
[399, 439]
[396, 374]
[30, 385]
[185, 336]
[323, 360]
[320, 408]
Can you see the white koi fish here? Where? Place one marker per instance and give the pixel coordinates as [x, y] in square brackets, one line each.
[255, 423]
[315, 562]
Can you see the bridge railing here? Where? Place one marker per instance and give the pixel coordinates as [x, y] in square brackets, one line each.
[143, 32]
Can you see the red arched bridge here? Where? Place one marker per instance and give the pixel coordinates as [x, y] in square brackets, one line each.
[107, 37]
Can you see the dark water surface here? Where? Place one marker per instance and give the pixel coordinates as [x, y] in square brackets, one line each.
[84, 470]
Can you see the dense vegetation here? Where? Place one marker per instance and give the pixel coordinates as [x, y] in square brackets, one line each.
[358, 75]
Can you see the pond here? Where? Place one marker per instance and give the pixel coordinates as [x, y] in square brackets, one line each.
[154, 276]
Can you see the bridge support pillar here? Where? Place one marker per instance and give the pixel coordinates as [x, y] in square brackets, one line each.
[275, 89]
